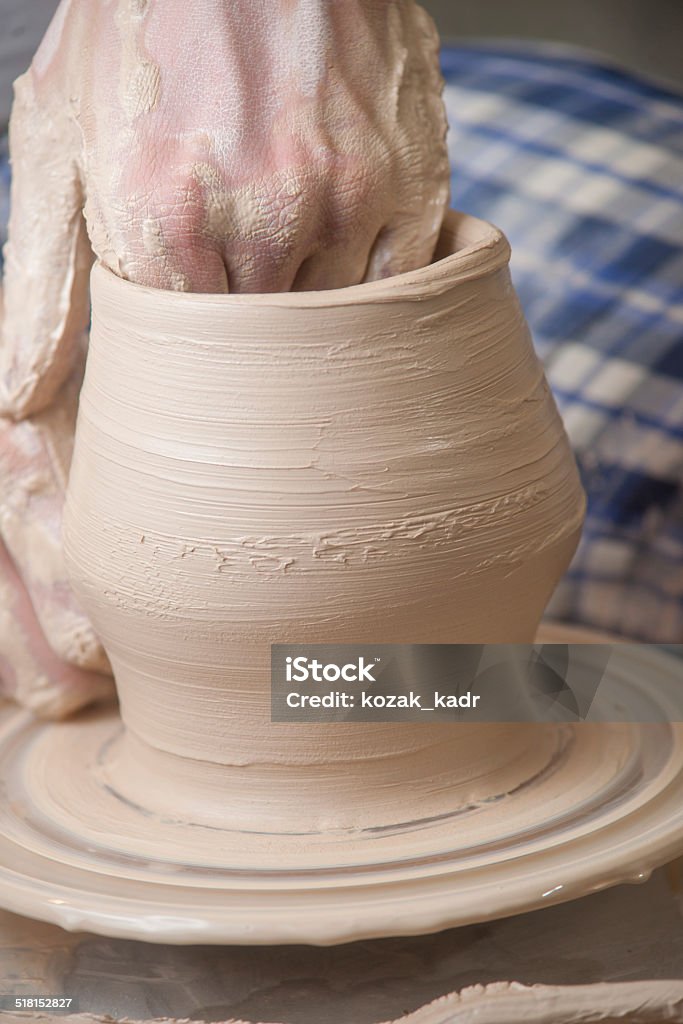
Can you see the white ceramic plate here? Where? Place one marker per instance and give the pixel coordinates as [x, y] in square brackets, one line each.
[608, 808]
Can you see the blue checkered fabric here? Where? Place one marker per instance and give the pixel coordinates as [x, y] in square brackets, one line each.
[582, 167]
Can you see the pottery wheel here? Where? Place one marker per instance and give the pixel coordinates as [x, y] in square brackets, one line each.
[607, 807]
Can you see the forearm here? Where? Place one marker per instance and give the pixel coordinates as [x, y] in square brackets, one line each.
[47, 257]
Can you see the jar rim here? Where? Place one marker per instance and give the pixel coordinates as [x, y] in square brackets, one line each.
[473, 249]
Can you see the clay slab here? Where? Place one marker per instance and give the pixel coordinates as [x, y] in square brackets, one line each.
[645, 1002]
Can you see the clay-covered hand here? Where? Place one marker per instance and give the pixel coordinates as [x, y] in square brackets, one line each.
[217, 145]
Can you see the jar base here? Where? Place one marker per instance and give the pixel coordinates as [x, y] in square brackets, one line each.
[456, 768]
[72, 851]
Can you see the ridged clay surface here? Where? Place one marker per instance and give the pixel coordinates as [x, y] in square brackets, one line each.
[378, 463]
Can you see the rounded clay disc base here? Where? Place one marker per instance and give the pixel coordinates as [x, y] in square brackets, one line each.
[607, 807]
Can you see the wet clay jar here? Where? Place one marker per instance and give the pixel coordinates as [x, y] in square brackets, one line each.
[381, 463]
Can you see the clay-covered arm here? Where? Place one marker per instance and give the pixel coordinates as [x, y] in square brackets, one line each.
[50, 658]
[47, 256]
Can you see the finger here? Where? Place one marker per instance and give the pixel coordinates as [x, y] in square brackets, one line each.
[263, 229]
[30, 671]
[160, 228]
[34, 461]
[186, 267]
[405, 244]
[265, 268]
[266, 257]
[335, 266]
[320, 251]
[47, 256]
[169, 251]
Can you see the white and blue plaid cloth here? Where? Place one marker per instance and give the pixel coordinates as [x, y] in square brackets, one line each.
[582, 167]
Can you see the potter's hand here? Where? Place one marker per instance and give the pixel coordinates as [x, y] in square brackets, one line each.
[250, 145]
[264, 145]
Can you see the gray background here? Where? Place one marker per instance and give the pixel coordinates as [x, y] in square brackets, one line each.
[644, 34]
